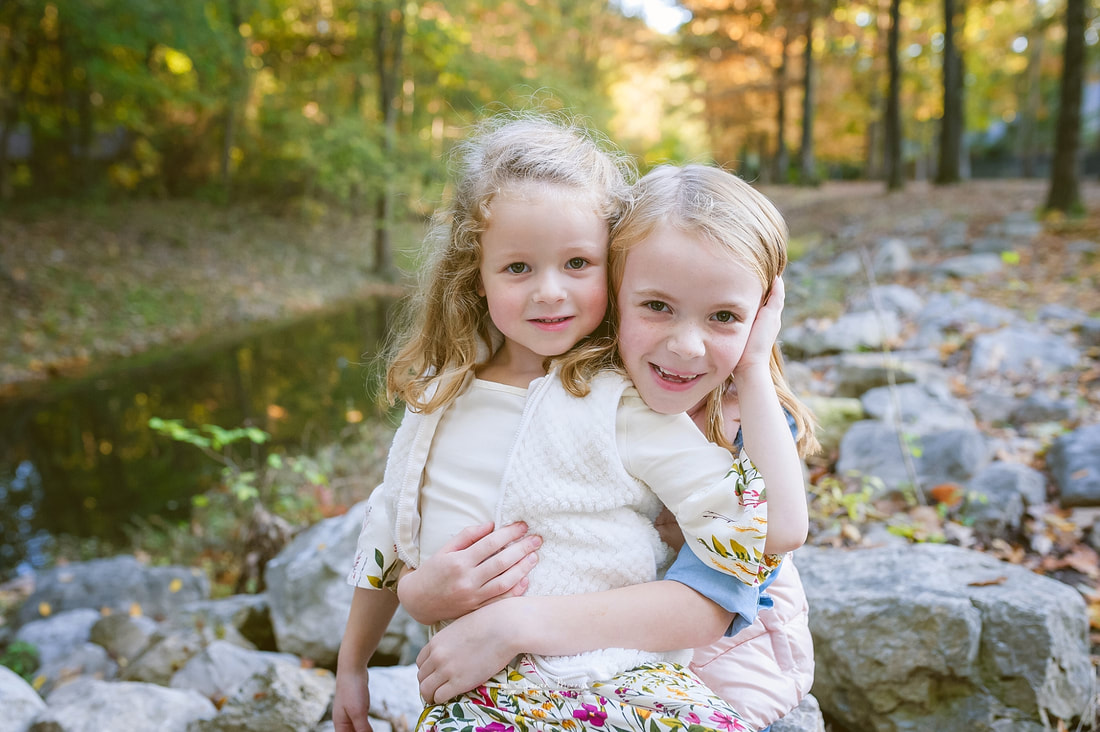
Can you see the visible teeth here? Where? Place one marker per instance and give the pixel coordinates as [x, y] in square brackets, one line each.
[673, 377]
[551, 320]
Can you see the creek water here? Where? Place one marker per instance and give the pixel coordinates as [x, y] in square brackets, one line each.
[78, 458]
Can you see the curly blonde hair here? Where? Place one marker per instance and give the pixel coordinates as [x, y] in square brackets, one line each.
[719, 207]
[447, 331]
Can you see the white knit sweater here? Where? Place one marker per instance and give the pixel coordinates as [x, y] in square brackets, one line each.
[566, 480]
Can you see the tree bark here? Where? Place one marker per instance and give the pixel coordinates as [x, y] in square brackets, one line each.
[782, 155]
[237, 84]
[389, 42]
[807, 166]
[895, 174]
[951, 125]
[1029, 113]
[1064, 192]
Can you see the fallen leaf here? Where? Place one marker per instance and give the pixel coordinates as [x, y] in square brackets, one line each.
[44, 609]
[175, 585]
[135, 610]
[986, 583]
[949, 494]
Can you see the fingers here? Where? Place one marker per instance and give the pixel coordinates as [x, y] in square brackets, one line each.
[426, 674]
[514, 554]
[467, 537]
[513, 581]
[492, 543]
[778, 294]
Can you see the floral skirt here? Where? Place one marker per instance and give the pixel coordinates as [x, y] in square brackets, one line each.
[650, 698]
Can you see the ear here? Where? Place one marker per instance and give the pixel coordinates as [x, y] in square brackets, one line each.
[480, 287]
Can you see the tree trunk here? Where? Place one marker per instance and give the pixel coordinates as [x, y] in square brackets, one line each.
[951, 126]
[1029, 113]
[1064, 192]
[895, 175]
[807, 166]
[782, 155]
[389, 42]
[237, 84]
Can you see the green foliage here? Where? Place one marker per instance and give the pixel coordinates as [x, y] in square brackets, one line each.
[239, 477]
[834, 499]
[288, 487]
[21, 657]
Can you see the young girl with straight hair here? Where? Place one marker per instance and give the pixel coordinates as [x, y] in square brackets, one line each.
[695, 243]
[496, 430]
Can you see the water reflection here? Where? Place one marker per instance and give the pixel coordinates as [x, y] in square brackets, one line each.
[78, 458]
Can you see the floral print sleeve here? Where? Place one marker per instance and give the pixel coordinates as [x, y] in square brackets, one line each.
[719, 502]
[376, 564]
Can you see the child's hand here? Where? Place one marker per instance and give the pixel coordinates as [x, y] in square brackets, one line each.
[475, 568]
[765, 330]
[464, 654]
[351, 703]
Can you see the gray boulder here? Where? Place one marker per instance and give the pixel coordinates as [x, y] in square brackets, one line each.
[280, 699]
[57, 636]
[123, 636]
[1074, 460]
[219, 668]
[1021, 353]
[87, 661]
[120, 583]
[94, 706]
[249, 614]
[173, 646]
[957, 313]
[875, 449]
[970, 265]
[307, 591]
[1001, 494]
[850, 332]
[902, 301]
[20, 702]
[919, 408]
[933, 636]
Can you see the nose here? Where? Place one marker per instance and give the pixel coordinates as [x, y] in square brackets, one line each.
[550, 288]
[687, 342]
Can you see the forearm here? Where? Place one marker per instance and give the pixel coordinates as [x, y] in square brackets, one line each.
[370, 614]
[664, 616]
[770, 446]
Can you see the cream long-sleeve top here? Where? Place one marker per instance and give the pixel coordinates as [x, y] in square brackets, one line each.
[588, 475]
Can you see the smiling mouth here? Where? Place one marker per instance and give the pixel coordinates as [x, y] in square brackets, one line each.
[550, 321]
[673, 378]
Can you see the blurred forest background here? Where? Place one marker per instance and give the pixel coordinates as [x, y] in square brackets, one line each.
[178, 171]
[352, 103]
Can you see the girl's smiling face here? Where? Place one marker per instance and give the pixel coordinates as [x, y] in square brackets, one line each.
[543, 272]
[685, 311]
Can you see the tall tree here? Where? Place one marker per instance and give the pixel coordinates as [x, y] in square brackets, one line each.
[951, 124]
[1064, 194]
[1027, 145]
[807, 167]
[895, 174]
[389, 39]
[782, 155]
